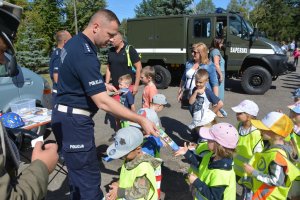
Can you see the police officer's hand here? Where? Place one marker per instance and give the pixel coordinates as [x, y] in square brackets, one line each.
[48, 156]
[148, 126]
[248, 168]
[110, 88]
[113, 192]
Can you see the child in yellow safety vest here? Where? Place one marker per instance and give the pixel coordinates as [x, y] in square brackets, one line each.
[270, 174]
[216, 177]
[250, 140]
[137, 177]
[294, 193]
[205, 119]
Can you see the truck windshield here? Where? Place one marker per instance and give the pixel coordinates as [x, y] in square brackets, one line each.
[239, 27]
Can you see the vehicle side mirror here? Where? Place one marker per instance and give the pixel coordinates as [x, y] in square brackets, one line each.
[11, 66]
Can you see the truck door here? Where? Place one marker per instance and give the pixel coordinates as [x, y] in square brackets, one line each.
[237, 41]
[200, 30]
[8, 87]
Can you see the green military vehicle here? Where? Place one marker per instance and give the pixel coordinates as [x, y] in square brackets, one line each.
[165, 43]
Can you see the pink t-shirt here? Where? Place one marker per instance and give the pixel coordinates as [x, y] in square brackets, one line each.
[148, 93]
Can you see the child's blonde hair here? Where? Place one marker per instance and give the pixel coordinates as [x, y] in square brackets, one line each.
[201, 73]
[126, 78]
[149, 71]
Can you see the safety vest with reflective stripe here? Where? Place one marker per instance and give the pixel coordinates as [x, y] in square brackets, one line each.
[297, 141]
[245, 149]
[200, 148]
[127, 178]
[218, 177]
[261, 162]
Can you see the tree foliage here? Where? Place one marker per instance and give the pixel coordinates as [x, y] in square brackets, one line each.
[242, 6]
[85, 9]
[32, 52]
[279, 19]
[163, 7]
[205, 7]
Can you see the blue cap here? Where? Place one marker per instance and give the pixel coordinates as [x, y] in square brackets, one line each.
[296, 93]
[296, 109]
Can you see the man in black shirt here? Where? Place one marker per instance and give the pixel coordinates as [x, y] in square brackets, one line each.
[118, 63]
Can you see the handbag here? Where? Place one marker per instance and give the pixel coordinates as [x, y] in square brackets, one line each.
[186, 94]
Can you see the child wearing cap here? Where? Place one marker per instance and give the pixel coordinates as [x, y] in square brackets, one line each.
[216, 177]
[250, 140]
[202, 97]
[270, 173]
[137, 177]
[147, 78]
[295, 116]
[153, 144]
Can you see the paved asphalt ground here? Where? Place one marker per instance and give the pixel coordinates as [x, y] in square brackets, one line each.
[174, 121]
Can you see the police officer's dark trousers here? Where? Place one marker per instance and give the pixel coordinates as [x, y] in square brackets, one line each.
[79, 151]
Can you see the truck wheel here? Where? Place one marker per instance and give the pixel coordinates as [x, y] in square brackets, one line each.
[256, 80]
[162, 77]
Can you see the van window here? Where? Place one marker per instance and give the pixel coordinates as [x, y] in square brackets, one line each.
[202, 28]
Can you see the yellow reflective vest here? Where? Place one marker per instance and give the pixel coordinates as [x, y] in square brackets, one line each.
[296, 138]
[218, 177]
[127, 178]
[200, 148]
[245, 149]
[261, 162]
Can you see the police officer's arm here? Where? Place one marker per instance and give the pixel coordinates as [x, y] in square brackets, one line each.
[106, 103]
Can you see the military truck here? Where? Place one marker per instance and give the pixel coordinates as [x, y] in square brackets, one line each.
[165, 43]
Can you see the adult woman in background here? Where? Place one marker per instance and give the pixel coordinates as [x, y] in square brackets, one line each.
[216, 57]
[199, 61]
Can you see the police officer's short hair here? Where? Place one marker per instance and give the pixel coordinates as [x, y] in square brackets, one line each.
[60, 36]
[106, 14]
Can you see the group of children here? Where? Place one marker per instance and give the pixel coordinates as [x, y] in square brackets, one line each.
[260, 155]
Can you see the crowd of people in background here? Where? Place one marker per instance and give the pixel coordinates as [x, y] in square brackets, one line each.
[291, 50]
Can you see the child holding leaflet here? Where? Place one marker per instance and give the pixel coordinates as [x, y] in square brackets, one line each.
[216, 177]
[137, 177]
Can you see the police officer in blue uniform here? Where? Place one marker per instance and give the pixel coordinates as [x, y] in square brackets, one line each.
[81, 91]
[61, 38]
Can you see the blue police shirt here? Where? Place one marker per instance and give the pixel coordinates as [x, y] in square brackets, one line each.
[54, 64]
[79, 74]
